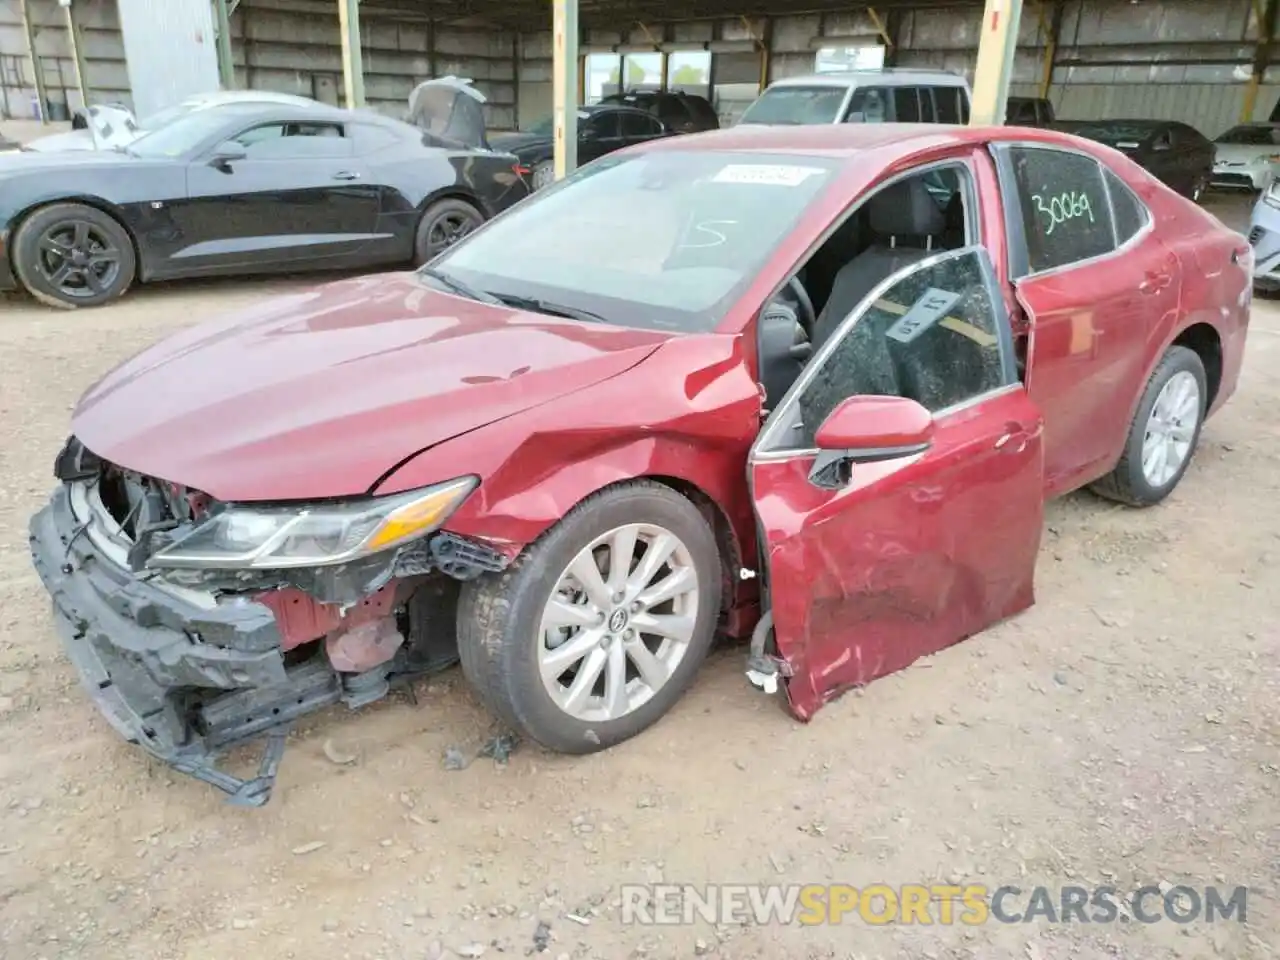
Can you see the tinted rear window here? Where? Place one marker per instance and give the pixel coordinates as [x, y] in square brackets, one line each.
[796, 105]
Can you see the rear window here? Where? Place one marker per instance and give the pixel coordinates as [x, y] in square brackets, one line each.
[796, 105]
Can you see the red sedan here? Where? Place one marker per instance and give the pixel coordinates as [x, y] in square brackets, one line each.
[810, 386]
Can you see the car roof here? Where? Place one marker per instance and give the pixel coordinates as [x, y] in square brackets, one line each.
[885, 76]
[846, 140]
[286, 111]
[219, 97]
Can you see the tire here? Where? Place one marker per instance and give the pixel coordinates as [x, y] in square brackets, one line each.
[544, 174]
[72, 255]
[443, 224]
[1129, 482]
[501, 640]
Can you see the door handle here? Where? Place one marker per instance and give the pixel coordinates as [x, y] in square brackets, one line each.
[346, 175]
[1013, 431]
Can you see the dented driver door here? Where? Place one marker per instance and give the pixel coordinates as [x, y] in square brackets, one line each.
[874, 557]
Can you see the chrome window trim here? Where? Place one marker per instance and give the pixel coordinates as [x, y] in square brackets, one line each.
[767, 436]
[778, 456]
[1117, 249]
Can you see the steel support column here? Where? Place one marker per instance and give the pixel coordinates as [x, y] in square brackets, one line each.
[37, 71]
[564, 88]
[1052, 27]
[996, 45]
[1264, 12]
[352, 58]
[77, 53]
[222, 24]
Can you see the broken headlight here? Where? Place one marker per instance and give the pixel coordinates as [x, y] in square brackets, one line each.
[313, 535]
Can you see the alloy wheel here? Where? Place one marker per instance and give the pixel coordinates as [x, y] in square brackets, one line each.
[78, 259]
[543, 176]
[618, 622]
[1171, 429]
[448, 229]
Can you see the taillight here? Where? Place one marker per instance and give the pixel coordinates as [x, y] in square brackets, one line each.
[521, 170]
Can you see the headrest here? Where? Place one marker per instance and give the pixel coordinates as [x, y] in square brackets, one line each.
[906, 209]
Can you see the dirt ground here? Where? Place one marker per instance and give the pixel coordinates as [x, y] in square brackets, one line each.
[1124, 731]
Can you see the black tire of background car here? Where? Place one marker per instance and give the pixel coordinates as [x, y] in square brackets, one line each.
[499, 615]
[31, 271]
[444, 219]
[1126, 483]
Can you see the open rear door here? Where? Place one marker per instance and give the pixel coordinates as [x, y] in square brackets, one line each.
[873, 557]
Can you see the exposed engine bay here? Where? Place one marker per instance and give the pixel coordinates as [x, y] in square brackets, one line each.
[214, 657]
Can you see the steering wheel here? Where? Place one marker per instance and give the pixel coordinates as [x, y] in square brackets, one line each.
[808, 317]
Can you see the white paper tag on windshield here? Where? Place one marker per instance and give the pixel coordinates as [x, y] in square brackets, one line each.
[924, 313]
[765, 174]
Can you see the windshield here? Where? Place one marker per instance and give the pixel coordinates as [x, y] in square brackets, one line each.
[796, 105]
[665, 240]
[1252, 135]
[162, 118]
[187, 131]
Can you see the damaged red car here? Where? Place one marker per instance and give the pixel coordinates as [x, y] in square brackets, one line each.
[807, 387]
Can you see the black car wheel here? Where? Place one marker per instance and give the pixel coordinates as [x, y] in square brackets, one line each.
[71, 255]
[444, 224]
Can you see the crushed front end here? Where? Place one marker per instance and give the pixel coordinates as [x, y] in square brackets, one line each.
[189, 652]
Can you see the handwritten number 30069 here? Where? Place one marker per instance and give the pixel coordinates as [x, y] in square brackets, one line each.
[1067, 206]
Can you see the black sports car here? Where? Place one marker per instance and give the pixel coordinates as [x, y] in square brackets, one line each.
[602, 128]
[1178, 154]
[248, 188]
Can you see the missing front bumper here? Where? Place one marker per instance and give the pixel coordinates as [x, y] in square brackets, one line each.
[180, 676]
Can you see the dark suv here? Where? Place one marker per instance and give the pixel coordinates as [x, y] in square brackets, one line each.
[680, 112]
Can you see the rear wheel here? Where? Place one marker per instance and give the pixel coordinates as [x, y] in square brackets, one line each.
[444, 224]
[1164, 433]
[600, 625]
[71, 255]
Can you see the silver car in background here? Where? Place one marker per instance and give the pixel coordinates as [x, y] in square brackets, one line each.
[1264, 237]
[1245, 157]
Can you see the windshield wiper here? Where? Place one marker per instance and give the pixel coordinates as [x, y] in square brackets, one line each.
[457, 286]
[547, 307]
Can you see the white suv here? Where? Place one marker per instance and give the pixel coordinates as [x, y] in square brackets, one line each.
[889, 95]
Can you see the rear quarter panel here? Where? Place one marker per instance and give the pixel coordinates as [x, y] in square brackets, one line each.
[1216, 278]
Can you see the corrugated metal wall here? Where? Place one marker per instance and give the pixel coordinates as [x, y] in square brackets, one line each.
[170, 49]
[1113, 58]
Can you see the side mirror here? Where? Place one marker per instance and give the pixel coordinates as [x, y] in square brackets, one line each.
[226, 154]
[869, 430]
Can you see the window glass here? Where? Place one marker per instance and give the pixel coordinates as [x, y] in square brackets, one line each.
[637, 125]
[604, 126]
[932, 337]
[963, 96]
[301, 141]
[948, 101]
[189, 131]
[689, 71]
[869, 105]
[927, 112]
[1260, 134]
[1129, 211]
[906, 105]
[659, 239]
[1063, 205]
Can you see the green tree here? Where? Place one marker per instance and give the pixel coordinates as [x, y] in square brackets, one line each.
[689, 76]
[635, 75]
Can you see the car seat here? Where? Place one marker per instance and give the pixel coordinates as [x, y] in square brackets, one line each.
[906, 225]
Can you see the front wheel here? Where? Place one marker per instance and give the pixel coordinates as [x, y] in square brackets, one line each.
[72, 255]
[599, 626]
[1164, 433]
[443, 224]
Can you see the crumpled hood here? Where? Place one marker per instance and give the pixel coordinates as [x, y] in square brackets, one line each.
[318, 394]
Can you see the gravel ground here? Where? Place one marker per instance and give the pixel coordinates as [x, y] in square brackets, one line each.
[1123, 731]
